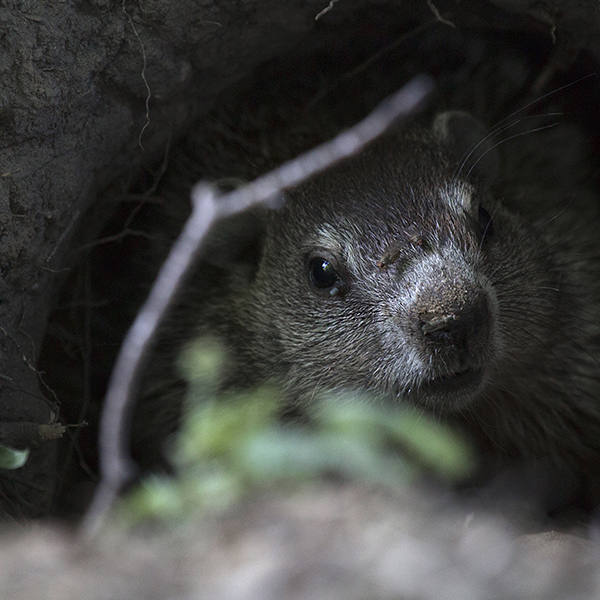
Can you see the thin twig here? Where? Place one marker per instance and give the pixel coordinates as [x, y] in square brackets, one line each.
[63, 235]
[116, 465]
[326, 9]
[363, 66]
[142, 74]
[438, 16]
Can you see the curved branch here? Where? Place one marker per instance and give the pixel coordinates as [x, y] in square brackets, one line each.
[116, 465]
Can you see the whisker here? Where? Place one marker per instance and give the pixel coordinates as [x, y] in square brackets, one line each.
[508, 139]
[547, 95]
[494, 132]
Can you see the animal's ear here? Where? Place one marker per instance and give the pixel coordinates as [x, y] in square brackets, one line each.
[235, 243]
[468, 144]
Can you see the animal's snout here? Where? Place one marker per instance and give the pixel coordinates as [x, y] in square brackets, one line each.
[432, 322]
[453, 323]
[462, 320]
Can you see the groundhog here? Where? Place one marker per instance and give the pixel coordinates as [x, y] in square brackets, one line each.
[445, 267]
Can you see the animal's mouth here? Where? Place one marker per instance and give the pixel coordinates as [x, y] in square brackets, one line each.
[453, 389]
[459, 379]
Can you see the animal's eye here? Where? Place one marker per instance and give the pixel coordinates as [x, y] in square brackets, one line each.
[485, 223]
[323, 276]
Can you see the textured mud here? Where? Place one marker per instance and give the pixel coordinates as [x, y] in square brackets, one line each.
[323, 542]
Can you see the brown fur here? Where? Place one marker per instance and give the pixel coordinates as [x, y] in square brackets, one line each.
[519, 304]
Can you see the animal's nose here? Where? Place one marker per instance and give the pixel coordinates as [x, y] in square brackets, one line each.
[431, 322]
[463, 324]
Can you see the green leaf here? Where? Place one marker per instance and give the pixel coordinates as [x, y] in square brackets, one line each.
[11, 458]
[435, 445]
[284, 454]
[214, 429]
[202, 361]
